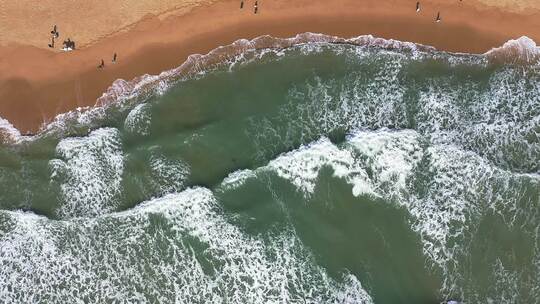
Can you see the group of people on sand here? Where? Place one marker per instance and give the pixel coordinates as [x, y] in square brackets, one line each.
[255, 6]
[68, 45]
[256, 9]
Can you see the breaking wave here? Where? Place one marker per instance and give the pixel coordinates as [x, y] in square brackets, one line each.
[62, 261]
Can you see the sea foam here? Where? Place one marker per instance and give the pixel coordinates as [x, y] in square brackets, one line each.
[522, 51]
[445, 189]
[149, 256]
[89, 172]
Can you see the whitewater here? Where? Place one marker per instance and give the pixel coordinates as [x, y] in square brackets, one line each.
[314, 169]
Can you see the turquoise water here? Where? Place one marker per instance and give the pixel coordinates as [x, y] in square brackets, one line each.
[321, 173]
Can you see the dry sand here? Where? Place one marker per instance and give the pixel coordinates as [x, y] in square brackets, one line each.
[85, 21]
[527, 7]
[37, 83]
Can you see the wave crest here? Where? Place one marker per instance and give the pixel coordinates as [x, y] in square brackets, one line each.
[519, 51]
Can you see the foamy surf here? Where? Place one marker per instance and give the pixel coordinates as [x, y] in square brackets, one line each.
[448, 209]
[8, 133]
[451, 204]
[88, 172]
[236, 268]
[365, 173]
[521, 50]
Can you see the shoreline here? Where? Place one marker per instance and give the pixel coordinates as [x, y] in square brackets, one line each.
[37, 84]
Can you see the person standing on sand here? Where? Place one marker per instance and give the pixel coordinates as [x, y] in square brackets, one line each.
[102, 65]
[256, 7]
[438, 17]
[54, 34]
[114, 58]
[242, 4]
[418, 6]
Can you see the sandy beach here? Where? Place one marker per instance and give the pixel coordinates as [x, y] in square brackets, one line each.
[37, 83]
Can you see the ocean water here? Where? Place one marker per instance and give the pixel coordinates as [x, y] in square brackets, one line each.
[317, 173]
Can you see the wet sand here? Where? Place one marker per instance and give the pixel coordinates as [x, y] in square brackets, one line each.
[37, 83]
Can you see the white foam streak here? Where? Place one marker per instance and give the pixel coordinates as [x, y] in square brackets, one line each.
[138, 120]
[8, 133]
[237, 179]
[301, 167]
[392, 155]
[89, 173]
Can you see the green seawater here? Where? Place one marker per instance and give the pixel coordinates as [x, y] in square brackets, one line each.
[316, 174]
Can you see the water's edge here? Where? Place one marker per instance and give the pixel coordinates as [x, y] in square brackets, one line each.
[519, 51]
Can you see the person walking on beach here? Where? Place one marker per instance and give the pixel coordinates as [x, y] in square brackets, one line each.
[418, 6]
[54, 32]
[102, 64]
[114, 58]
[256, 7]
[242, 4]
[438, 17]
